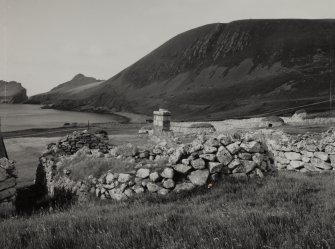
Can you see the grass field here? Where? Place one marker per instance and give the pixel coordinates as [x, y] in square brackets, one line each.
[26, 152]
[290, 210]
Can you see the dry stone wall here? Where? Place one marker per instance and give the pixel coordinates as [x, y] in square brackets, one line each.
[201, 163]
[305, 153]
[8, 177]
[96, 143]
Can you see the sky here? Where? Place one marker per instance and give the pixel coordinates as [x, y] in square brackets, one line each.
[47, 42]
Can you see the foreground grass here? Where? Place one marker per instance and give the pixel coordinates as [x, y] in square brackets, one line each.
[285, 211]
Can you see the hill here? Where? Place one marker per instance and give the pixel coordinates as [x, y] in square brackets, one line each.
[73, 93]
[217, 71]
[12, 92]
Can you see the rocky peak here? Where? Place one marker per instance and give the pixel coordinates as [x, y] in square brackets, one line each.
[78, 76]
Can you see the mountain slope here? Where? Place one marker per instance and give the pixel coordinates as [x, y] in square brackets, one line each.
[12, 92]
[226, 70]
[73, 93]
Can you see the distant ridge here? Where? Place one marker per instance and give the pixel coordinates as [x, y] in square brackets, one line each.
[221, 70]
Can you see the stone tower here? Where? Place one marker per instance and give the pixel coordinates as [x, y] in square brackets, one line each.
[161, 123]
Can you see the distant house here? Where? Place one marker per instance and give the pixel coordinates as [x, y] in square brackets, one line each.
[272, 121]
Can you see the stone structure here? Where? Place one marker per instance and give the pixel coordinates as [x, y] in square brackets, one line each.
[161, 123]
[200, 163]
[272, 121]
[8, 177]
[304, 153]
[97, 143]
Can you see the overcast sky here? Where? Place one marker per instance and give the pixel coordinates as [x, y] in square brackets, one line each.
[46, 42]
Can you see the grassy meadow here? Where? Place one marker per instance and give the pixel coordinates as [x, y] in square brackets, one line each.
[289, 210]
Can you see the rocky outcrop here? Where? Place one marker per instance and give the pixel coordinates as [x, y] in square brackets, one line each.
[8, 177]
[12, 92]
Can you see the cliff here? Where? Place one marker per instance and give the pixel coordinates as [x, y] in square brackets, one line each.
[12, 92]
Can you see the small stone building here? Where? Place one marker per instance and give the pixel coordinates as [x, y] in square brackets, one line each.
[272, 121]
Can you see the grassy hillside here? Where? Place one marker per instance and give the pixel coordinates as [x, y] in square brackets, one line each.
[289, 211]
[220, 70]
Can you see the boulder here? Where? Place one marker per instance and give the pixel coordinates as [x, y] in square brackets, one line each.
[311, 167]
[258, 158]
[248, 165]
[163, 191]
[177, 155]
[293, 156]
[8, 183]
[322, 155]
[109, 178]
[224, 156]
[212, 142]
[317, 162]
[233, 164]
[185, 186]
[330, 149]
[311, 147]
[252, 147]
[181, 168]
[143, 173]
[168, 173]
[224, 139]
[215, 167]
[305, 159]
[210, 150]
[168, 183]
[129, 192]
[307, 153]
[332, 160]
[208, 157]
[3, 174]
[154, 177]
[282, 160]
[199, 177]
[297, 164]
[153, 187]
[233, 148]
[245, 156]
[124, 177]
[116, 194]
[138, 189]
[198, 163]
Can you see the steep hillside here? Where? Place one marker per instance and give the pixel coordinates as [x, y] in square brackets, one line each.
[71, 94]
[226, 70]
[12, 92]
